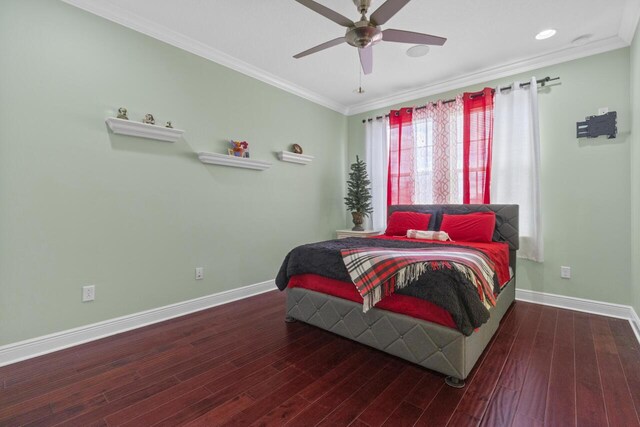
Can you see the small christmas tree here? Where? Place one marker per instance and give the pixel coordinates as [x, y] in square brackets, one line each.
[358, 198]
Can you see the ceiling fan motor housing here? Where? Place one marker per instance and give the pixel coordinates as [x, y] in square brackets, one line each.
[363, 34]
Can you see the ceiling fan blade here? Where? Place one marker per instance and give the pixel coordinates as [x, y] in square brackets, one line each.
[327, 13]
[401, 36]
[387, 10]
[323, 46]
[366, 59]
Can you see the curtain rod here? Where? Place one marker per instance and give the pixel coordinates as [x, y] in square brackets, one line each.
[542, 82]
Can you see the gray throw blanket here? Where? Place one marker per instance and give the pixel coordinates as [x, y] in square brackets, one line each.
[446, 288]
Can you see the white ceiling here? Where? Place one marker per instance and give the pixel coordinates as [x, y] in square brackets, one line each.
[486, 39]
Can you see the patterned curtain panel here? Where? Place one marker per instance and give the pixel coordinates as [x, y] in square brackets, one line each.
[402, 174]
[478, 135]
[425, 154]
[438, 138]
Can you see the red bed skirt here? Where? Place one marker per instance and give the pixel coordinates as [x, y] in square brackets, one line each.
[401, 304]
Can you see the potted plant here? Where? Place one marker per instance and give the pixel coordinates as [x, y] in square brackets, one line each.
[358, 198]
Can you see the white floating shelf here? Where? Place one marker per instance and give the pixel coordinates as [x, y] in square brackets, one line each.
[288, 156]
[236, 162]
[143, 130]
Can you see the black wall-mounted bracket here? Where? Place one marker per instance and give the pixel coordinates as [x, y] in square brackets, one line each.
[595, 126]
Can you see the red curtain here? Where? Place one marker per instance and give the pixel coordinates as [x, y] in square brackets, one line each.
[401, 176]
[478, 136]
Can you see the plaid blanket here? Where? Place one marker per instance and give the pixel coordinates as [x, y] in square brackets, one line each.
[378, 272]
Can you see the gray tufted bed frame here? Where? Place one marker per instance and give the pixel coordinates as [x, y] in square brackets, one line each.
[427, 344]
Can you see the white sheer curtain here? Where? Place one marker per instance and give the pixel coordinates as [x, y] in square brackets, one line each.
[377, 152]
[438, 152]
[516, 162]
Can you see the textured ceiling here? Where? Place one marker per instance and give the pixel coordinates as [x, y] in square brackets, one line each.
[482, 35]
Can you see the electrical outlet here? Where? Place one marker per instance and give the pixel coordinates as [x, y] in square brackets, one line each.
[199, 273]
[565, 272]
[88, 293]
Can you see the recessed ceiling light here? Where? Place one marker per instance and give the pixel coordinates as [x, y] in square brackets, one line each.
[545, 34]
[582, 40]
[418, 50]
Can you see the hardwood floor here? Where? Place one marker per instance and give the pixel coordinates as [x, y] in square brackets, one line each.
[240, 364]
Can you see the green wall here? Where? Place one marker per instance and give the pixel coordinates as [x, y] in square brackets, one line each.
[79, 205]
[635, 168]
[586, 212]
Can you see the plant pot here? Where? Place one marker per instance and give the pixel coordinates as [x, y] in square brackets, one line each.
[358, 219]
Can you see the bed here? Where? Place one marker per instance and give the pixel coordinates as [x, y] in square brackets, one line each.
[430, 344]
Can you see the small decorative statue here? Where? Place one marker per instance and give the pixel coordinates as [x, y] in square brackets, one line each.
[358, 198]
[122, 113]
[297, 149]
[239, 148]
[169, 125]
[148, 119]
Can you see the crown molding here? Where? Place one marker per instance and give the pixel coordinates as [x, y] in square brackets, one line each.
[629, 21]
[111, 12]
[493, 73]
[137, 23]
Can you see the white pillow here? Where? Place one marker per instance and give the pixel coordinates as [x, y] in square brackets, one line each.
[428, 235]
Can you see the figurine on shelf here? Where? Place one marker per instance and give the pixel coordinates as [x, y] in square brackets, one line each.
[169, 125]
[122, 113]
[239, 147]
[148, 119]
[297, 149]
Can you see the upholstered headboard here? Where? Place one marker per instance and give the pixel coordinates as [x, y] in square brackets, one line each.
[506, 220]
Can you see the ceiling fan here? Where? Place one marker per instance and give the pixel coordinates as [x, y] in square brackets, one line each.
[365, 33]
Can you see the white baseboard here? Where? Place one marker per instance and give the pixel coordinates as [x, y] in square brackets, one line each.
[28, 349]
[579, 304]
[635, 323]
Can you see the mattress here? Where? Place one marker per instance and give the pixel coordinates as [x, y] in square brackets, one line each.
[404, 304]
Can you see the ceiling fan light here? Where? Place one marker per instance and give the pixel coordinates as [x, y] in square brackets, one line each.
[418, 50]
[545, 34]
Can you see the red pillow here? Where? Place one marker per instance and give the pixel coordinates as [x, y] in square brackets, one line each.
[400, 222]
[474, 227]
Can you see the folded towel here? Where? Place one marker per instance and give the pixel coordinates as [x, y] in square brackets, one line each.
[428, 235]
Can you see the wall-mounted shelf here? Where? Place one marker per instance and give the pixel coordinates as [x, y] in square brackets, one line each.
[236, 162]
[143, 130]
[288, 156]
